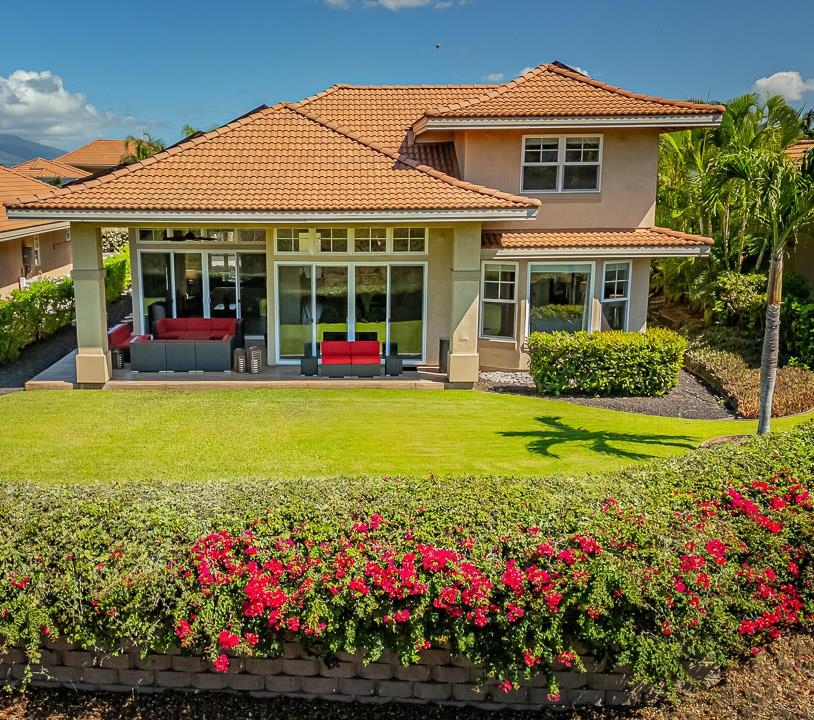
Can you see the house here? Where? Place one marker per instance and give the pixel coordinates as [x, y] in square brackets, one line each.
[409, 214]
[97, 155]
[29, 249]
[801, 256]
[52, 172]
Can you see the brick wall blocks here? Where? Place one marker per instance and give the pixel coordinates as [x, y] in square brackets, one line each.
[340, 670]
[283, 684]
[100, 676]
[606, 681]
[395, 689]
[519, 696]
[115, 662]
[470, 693]
[419, 673]
[301, 667]
[435, 657]
[567, 680]
[376, 671]
[434, 692]
[245, 682]
[582, 697]
[357, 687]
[136, 678]
[187, 664]
[292, 650]
[614, 698]
[15, 655]
[450, 674]
[210, 681]
[173, 679]
[320, 685]
[153, 662]
[263, 666]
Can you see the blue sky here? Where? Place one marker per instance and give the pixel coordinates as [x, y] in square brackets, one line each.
[74, 71]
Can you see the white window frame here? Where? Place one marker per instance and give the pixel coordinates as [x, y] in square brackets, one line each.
[369, 252]
[295, 237]
[409, 251]
[550, 263]
[199, 233]
[560, 164]
[318, 241]
[498, 301]
[626, 298]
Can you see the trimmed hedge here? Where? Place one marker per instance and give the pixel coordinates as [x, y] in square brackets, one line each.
[731, 376]
[706, 557]
[46, 306]
[606, 363]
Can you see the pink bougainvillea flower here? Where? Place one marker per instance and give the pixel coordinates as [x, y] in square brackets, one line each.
[228, 640]
[221, 663]
[182, 630]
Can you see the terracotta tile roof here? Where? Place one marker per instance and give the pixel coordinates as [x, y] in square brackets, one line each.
[383, 114]
[440, 156]
[555, 91]
[653, 237]
[797, 151]
[98, 153]
[42, 168]
[275, 160]
[12, 185]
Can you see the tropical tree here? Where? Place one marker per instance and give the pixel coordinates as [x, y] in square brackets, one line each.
[807, 124]
[140, 148]
[781, 205]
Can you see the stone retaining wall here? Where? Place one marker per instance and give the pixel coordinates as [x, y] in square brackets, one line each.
[438, 678]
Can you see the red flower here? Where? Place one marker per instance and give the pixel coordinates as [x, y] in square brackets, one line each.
[222, 663]
[182, 630]
[228, 640]
[251, 638]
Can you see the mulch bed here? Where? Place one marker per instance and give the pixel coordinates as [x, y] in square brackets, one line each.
[776, 685]
[690, 399]
[42, 354]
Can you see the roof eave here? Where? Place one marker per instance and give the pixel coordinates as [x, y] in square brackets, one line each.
[280, 217]
[426, 124]
[598, 251]
[32, 230]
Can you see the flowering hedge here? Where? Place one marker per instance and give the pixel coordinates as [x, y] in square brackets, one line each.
[704, 558]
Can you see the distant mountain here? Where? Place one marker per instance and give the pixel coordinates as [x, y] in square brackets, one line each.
[15, 150]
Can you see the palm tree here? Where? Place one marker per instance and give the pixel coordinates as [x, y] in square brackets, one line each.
[807, 124]
[141, 148]
[782, 204]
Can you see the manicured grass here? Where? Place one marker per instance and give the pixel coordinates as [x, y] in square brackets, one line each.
[70, 436]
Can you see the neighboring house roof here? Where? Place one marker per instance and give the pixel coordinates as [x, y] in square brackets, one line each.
[278, 160]
[797, 151]
[555, 91]
[12, 185]
[593, 240]
[98, 153]
[42, 168]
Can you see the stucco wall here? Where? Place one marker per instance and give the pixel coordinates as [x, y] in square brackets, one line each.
[11, 265]
[801, 259]
[55, 258]
[627, 198]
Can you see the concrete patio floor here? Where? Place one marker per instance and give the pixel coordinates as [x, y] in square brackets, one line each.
[62, 376]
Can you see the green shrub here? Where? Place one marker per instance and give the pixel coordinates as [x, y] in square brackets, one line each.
[606, 363]
[704, 557]
[740, 301]
[46, 306]
[797, 333]
[739, 382]
[117, 279]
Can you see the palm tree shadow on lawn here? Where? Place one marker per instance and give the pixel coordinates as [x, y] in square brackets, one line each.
[556, 432]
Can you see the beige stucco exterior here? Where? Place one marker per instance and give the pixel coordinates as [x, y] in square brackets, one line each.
[54, 254]
[627, 195]
[801, 259]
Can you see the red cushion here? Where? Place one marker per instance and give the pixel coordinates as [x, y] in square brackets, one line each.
[223, 324]
[366, 359]
[198, 324]
[174, 335]
[336, 347]
[365, 347]
[198, 334]
[336, 360]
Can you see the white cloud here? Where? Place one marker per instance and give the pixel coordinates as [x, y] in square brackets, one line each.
[36, 105]
[581, 70]
[529, 68]
[339, 4]
[789, 83]
[494, 77]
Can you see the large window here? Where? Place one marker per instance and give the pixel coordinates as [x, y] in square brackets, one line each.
[559, 297]
[498, 300]
[562, 164]
[616, 296]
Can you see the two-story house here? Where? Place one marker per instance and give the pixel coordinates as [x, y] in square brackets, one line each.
[407, 214]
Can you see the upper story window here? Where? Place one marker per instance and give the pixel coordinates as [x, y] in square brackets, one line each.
[288, 239]
[567, 163]
[222, 235]
[251, 235]
[219, 235]
[410, 240]
[333, 240]
[370, 240]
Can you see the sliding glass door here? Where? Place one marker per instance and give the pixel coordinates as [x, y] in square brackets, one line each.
[383, 302]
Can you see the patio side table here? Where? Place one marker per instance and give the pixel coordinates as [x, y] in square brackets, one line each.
[393, 365]
[309, 366]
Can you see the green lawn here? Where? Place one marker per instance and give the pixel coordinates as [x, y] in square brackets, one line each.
[211, 435]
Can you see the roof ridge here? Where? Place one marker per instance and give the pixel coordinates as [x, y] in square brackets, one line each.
[24, 177]
[52, 161]
[573, 75]
[426, 169]
[422, 86]
[120, 170]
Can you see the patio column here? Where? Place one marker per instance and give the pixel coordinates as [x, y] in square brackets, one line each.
[93, 365]
[463, 350]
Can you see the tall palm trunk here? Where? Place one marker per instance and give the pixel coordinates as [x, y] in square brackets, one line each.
[771, 342]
